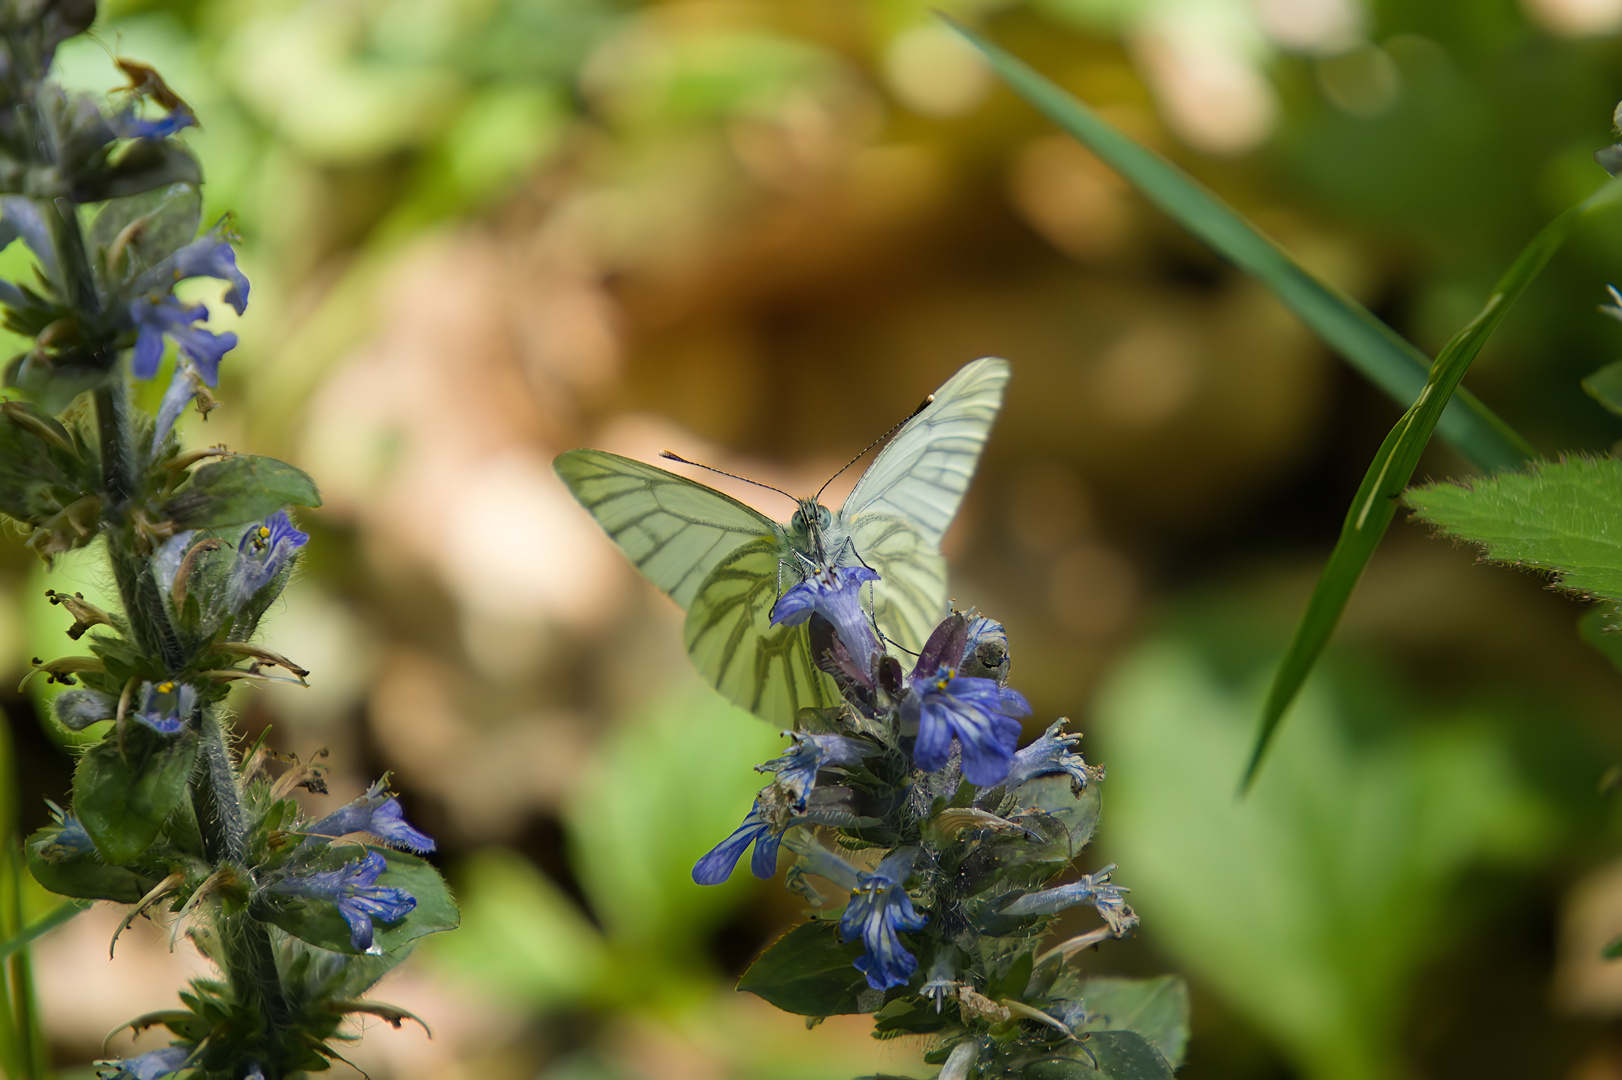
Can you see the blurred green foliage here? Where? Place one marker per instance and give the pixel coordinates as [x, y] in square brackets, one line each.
[790, 228]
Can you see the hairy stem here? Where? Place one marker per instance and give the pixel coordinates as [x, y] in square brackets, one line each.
[117, 470]
[247, 954]
[224, 826]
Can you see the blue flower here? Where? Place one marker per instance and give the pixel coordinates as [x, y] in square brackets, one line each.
[210, 255]
[200, 349]
[978, 713]
[716, 867]
[152, 1064]
[352, 887]
[1052, 754]
[21, 217]
[797, 768]
[378, 815]
[1107, 899]
[879, 907]
[985, 648]
[156, 315]
[126, 125]
[165, 706]
[78, 708]
[70, 841]
[261, 553]
[835, 593]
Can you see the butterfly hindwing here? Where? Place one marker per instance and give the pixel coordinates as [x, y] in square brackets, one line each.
[763, 668]
[672, 529]
[910, 595]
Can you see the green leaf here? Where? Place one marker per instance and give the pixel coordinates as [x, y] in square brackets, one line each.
[1393, 466]
[1078, 1067]
[146, 164]
[1118, 1055]
[808, 971]
[1013, 982]
[1613, 950]
[1605, 386]
[1563, 517]
[521, 938]
[1373, 348]
[1157, 1009]
[1601, 628]
[43, 925]
[319, 922]
[911, 1016]
[237, 490]
[44, 480]
[1054, 795]
[1126, 1055]
[123, 796]
[637, 822]
[1349, 860]
[140, 231]
[82, 875]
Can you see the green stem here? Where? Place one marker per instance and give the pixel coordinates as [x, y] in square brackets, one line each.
[117, 466]
[13, 1043]
[247, 954]
[219, 814]
[31, 1057]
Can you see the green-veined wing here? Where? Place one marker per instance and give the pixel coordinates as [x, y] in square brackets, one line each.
[763, 668]
[672, 529]
[917, 483]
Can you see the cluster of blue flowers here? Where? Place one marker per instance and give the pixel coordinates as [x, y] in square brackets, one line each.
[947, 840]
[301, 916]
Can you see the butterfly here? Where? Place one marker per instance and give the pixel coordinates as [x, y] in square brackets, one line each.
[727, 563]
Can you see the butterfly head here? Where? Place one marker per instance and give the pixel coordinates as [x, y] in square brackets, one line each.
[811, 520]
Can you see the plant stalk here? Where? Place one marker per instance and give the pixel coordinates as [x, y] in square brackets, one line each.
[247, 954]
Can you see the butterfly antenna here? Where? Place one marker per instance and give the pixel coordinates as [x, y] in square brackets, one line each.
[668, 456]
[926, 403]
[894, 644]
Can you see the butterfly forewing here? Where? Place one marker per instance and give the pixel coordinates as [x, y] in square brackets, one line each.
[921, 474]
[763, 668]
[898, 511]
[672, 529]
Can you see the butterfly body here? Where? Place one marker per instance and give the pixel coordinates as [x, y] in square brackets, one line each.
[727, 564]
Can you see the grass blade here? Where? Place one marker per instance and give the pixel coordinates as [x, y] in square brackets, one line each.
[1381, 354]
[1376, 501]
[42, 926]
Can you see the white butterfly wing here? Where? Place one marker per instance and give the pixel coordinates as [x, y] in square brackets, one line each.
[721, 561]
[909, 599]
[921, 474]
[674, 530]
[763, 668]
[915, 487]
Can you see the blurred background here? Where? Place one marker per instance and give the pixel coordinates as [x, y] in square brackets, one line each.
[757, 232]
